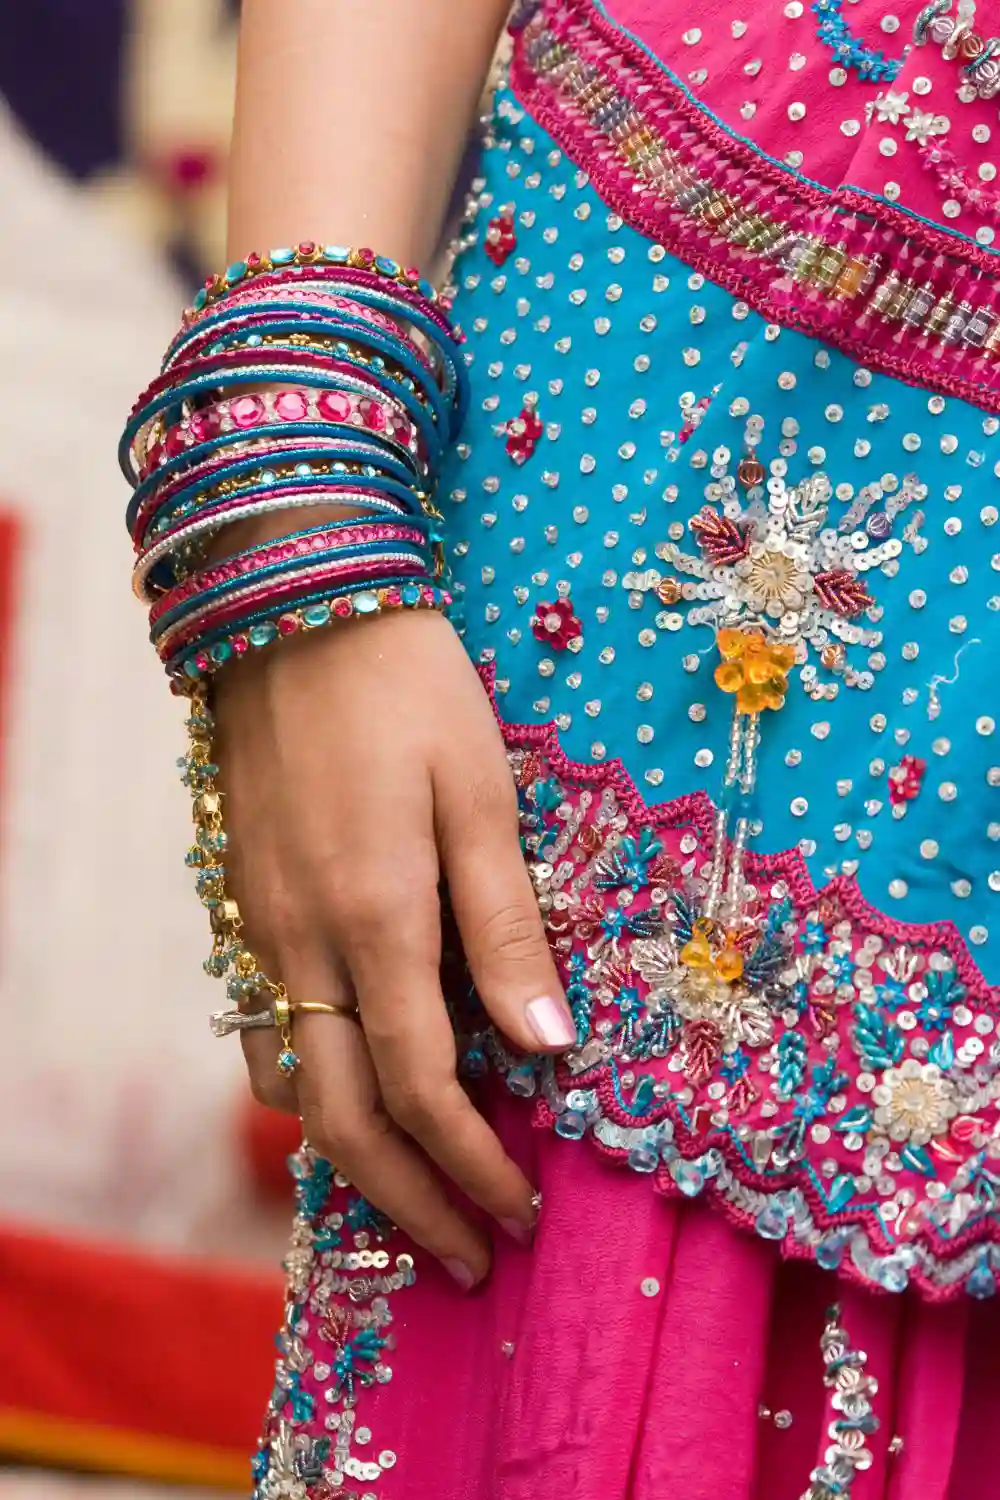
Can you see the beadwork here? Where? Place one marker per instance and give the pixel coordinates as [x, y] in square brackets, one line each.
[336, 1341]
[814, 258]
[834, 32]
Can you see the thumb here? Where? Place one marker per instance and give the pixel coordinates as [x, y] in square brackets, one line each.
[498, 919]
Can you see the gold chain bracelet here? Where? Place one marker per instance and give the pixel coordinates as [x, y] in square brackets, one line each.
[230, 958]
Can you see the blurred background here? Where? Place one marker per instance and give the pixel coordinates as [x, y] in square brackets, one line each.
[143, 1200]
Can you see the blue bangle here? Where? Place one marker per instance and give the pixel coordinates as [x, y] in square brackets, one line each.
[402, 498]
[289, 566]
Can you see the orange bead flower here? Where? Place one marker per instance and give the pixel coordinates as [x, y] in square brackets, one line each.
[753, 668]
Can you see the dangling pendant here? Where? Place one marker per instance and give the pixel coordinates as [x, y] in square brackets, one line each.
[288, 1059]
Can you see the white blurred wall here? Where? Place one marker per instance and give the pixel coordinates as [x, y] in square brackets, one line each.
[115, 1101]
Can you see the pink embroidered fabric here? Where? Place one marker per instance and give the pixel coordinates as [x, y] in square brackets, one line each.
[643, 1349]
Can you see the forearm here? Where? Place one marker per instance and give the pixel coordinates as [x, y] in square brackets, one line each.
[351, 119]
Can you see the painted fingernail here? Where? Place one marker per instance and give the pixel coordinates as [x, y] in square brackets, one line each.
[459, 1271]
[518, 1230]
[551, 1022]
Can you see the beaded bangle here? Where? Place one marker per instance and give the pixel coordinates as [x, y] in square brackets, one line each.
[293, 411]
[393, 357]
[308, 254]
[306, 617]
[246, 369]
[197, 629]
[319, 544]
[225, 625]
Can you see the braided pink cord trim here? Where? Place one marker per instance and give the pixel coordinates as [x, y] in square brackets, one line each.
[733, 163]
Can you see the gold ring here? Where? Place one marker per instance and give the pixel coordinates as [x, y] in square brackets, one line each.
[319, 1008]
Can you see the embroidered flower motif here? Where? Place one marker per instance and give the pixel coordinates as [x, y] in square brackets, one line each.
[921, 124]
[725, 960]
[556, 625]
[501, 240]
[523, 434]
[754, 669]
[281, 1481]
[914, 1102]
[905, 780]
[709, 975]
[774, 563]
[891, 107]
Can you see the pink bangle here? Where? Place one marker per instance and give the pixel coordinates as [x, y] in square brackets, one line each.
[271, 409]
[276, 592]
[281, 550]
[275, 364]
[240, 321]
[196, 529]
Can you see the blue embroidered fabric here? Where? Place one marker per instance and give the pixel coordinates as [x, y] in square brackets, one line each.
[648, 382]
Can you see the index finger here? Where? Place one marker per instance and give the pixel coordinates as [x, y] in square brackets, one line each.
[395, 971]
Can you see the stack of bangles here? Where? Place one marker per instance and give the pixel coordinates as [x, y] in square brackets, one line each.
[309, 377]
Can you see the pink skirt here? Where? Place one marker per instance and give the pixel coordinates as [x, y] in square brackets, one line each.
[643, 1349]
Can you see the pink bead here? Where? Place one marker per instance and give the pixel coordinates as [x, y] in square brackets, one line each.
[246, 411]
[372, 414]
[291, 406]
[175, 442]
[288, 625]
[342, 607]
[401, 429]
[240, 645]
[334, 406]
[393, 596]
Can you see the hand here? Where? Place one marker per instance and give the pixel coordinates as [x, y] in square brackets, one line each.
[361, 765]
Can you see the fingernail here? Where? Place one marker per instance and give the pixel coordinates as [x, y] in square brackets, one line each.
[551, 1022]
[518, 1230]
[459, 1271]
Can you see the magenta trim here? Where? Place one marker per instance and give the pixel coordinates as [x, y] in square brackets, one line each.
[684, 127]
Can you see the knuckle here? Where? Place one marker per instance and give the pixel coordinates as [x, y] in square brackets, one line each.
[359, 902]
[333, 1135]
[514, 935]
[411, 1103]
